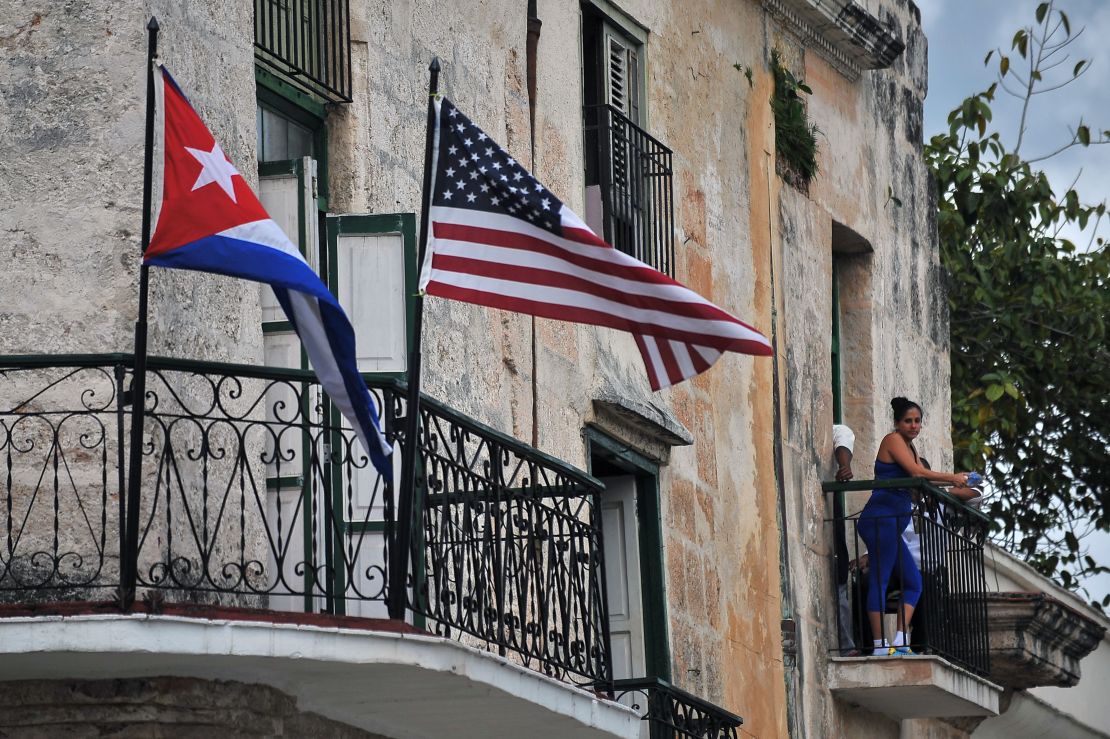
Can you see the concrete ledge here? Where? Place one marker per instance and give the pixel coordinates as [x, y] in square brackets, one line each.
[1036, 639]
[912, 687]
[396, 684]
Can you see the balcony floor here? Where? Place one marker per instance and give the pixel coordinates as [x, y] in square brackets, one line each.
[912, 687]
[396, 683]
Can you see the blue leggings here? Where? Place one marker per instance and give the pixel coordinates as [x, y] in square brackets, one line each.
[881, 528]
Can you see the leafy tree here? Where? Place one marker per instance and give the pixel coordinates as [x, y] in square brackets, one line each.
[1029, 311]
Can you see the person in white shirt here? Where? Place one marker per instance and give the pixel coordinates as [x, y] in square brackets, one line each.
[843, 443]
[933, 566]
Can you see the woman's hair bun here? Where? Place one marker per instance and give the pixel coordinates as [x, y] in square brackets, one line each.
[901, 405]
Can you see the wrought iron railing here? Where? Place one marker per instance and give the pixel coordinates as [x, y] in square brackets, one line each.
[950, 617]
[308, 42]
[635, 175]
[511, 548]
[255, 494]
[671, 713]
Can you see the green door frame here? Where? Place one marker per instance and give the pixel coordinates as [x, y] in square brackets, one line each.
[653, 582]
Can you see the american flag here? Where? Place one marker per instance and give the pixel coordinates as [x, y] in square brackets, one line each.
[499, 238]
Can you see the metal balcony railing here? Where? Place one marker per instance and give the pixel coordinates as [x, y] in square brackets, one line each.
[672, 713]
[308, 43]
[950, 619]
[255, 494]
[635, 175]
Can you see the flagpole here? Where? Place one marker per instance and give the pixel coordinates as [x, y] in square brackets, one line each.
[129, 549]
[408, 512]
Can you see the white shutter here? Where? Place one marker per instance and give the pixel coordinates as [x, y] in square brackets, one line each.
[290, 199]
[369, 258]
[370, 285]
[622, 577]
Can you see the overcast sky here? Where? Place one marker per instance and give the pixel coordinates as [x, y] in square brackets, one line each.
[960, 33]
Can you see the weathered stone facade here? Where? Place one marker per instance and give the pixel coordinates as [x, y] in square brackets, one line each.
[745, 542]
[157, 707]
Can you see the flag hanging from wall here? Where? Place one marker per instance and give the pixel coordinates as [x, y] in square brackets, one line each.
[211, 221]
[499, 238]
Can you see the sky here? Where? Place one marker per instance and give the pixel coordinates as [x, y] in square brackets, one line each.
[960, 33]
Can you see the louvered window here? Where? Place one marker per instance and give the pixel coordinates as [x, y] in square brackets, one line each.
[628, 173]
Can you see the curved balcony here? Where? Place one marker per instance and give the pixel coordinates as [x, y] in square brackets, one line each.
[258, 507]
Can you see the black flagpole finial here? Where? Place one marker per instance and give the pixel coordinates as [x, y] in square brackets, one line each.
[434, 66]
[153, 24]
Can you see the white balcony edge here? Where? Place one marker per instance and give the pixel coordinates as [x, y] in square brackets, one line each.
[349, 675]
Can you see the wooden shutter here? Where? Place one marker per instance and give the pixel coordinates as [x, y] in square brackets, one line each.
[371, 263]
[622, 73]
[287, 190]
[372, 271]
[622, 577]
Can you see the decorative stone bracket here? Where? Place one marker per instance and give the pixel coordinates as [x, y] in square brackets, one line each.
[841, 31]
[1037, 640]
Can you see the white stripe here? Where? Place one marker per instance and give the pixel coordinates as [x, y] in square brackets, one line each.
[682, 357]
[266, 233]
[502, 222]
[534, 260]
[708, 353]
[651, 354]
[562, 297]
[310, 328]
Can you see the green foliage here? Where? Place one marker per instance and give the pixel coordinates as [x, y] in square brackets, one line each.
[747, 73]
[795, 136]
[1029, 311]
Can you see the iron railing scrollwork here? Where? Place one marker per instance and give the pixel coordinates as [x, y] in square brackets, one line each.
[255, 494]
[635, 173]
[672, 713]
[308, 43]
[511, 552]
[950, 619]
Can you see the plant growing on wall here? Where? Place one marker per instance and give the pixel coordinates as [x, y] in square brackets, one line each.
[1029, 309]
[795, 136]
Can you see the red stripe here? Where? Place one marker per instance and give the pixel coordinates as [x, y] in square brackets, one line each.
[550, 278]
[560, 312]
[700, 365]
[649, 365]
[524, 242]
[670, 363]
[584, 236]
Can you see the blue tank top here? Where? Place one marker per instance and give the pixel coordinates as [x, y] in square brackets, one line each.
[898, 499]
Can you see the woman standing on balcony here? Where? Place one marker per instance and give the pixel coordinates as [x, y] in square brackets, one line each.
[886, 516]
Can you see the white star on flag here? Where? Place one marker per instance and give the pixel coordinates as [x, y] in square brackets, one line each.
[216, 169]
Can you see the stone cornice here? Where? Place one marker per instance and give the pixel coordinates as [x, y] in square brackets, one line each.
[1037, 640]
[841, 31]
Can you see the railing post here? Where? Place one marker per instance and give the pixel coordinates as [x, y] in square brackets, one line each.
[408, 514]
[130, 561]
[121, 524]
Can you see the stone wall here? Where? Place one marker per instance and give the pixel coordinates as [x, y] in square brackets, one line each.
[894, 323]
[72, 111]
[718, 496]
[754, 246]
[183, 708]
[72, 107]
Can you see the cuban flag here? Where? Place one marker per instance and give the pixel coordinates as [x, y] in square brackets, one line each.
[211, 221]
